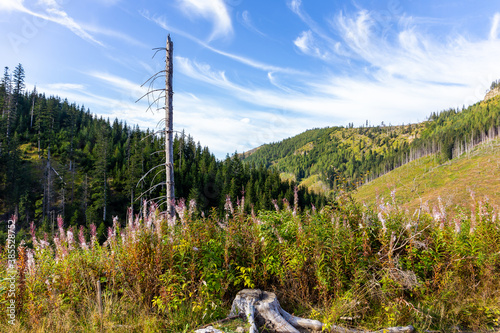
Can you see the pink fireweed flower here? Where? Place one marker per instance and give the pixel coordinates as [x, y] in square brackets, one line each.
[382, 220]
[242, 207]
[30, 261]
[473, 196]
[32, 229]
[254, 217]
[44, 244]
[152, 215]
[171, 219]
[180, 208]
[33, 235]
[157, 223]
[60, 225]
[81, 239]
[275, 203]
[192, 207]
[393, 197]
[70, 238]
[436, 215]
[93, 235]
[61, 250]
[228, 206]
[137, 222]
[111, 233]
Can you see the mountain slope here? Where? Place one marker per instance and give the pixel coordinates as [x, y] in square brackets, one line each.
[426, 179]
[56, 158]
[328, 157]
[345, 157]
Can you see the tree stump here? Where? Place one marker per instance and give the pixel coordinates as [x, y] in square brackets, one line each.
[263, 311]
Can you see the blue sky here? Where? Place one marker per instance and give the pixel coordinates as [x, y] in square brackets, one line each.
[249, 72]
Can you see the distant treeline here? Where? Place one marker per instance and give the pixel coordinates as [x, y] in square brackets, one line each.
[346, 157]
[56, 158]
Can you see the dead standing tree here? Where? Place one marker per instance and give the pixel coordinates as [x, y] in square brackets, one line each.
[153, 100]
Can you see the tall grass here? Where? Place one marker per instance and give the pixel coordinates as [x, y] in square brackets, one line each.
[346, 264]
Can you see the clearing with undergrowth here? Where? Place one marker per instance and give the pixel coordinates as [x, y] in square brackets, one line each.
[345, 264]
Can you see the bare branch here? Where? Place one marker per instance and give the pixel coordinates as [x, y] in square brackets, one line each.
[149, 171]
[148, 93]
[153, 76]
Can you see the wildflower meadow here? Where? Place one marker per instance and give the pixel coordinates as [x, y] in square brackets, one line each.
[345, 264]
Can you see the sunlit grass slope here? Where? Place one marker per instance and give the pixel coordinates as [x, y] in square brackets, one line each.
[426, 179]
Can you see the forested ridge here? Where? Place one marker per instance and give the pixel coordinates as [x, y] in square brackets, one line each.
[66, 172]
[57, 158]
[348, 156]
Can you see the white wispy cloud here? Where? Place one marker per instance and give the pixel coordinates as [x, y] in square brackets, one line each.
[307, 45]
[224, 130]
[416, 56]
[495, 27]
[93, 28]
[51, 11]
[271, 99]
[356, 31]
[162, 22]
[247, 22]
[108, 2]
[10, 5]
[65, 86]
[411, 67]
[119, 84]
[296, 7]
[215, 11]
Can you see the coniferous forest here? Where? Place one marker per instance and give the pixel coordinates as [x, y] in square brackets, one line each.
[354, 155]
[57, 158]
[90, 249]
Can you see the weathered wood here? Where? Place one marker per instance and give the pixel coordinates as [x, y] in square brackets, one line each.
[169, 147]
[399, 329]
[208, 329]
[263, 310]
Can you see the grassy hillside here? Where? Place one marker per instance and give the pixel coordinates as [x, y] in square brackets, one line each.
[321, 159]
[426, 179]
[333, 157]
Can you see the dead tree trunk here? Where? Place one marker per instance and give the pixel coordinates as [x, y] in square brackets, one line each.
[169, 147]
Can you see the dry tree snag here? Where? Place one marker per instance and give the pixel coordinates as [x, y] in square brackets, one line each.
[263, 310]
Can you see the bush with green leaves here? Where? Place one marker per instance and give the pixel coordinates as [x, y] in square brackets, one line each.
[345, 264]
